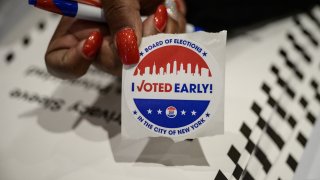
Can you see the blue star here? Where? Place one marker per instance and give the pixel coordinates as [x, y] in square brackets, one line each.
[207, 115]
[204, 54]
[141, 53]
[135, 112]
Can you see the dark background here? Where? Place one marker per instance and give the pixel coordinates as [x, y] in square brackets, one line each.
[232, 15]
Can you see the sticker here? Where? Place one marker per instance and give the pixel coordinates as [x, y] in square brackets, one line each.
[172, 91]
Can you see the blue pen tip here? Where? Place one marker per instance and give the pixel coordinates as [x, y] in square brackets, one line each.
[32, 2]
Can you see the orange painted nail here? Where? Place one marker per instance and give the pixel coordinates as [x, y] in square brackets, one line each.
[161, 18]
[127, 45]
[92, 44]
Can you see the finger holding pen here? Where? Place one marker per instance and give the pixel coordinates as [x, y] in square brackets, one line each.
[157, 21]
[124, 21]
[76, 43]
[73, 48]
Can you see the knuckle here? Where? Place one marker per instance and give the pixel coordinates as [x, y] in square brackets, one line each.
[109, 65]
[51, 65]
[72, 69]
[63, 68]
[114, 8]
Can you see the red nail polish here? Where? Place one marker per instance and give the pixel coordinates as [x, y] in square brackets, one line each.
[92, 44]
[161, 18]
[127, 46]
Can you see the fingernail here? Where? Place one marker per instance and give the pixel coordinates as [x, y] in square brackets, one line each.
[178, 5]
[172, 9]
[92, 44]
[127, 46]
[161, 18]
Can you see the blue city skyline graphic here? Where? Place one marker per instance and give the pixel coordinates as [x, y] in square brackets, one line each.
[187, 111]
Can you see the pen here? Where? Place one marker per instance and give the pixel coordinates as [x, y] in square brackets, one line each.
[90, 2]
[84, 9]
[71, 9]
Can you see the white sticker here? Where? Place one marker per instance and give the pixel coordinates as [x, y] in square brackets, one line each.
[177, 88]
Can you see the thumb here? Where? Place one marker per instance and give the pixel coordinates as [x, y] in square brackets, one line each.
[124, 21]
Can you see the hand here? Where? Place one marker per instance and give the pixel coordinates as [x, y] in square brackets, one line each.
[77, 44]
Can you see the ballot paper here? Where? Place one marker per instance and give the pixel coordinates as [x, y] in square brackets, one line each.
[177, 88]
[70, 129]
